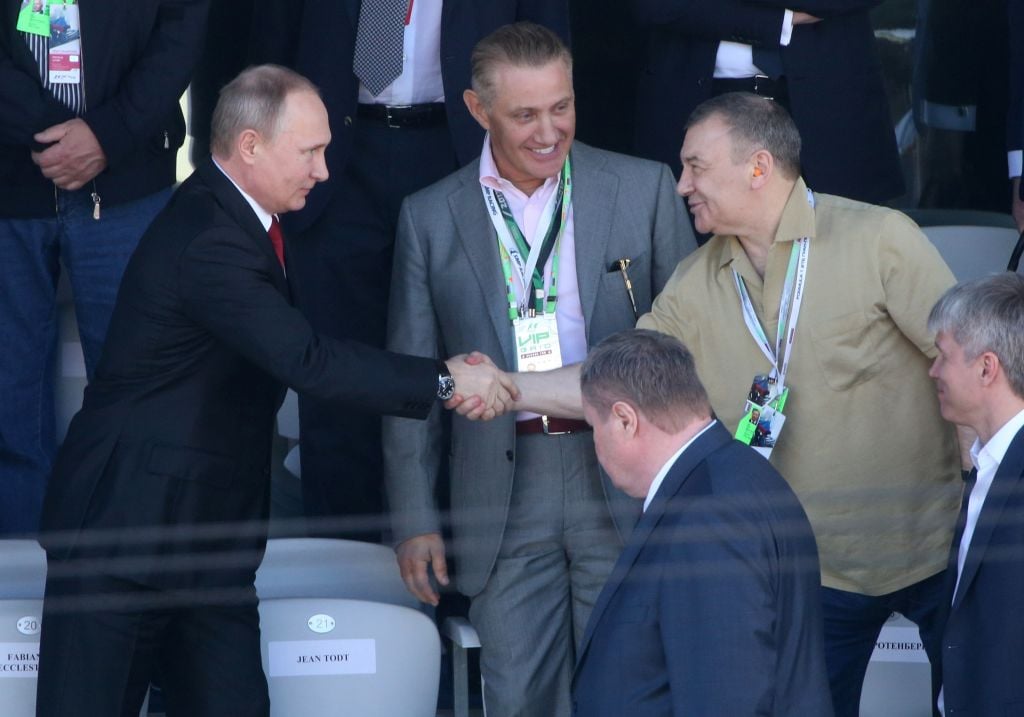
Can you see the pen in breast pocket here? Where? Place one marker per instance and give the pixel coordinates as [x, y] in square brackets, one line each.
[621, 266]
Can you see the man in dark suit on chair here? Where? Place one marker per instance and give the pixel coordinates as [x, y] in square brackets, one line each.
[154, 519]
[979, 373]
[713, 607]
[821, 64]
[394, 133]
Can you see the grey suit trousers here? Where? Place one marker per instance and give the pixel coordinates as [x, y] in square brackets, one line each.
[558, 548]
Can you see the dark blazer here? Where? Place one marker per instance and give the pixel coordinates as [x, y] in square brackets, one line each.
[295, 34]
[1015, 121]
[171, 450]
[713, 606]
[834, 77]
[225, 53]
[137, 59]
[983, 640]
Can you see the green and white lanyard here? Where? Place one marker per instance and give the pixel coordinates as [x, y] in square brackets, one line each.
[512, 246]
[789, 308]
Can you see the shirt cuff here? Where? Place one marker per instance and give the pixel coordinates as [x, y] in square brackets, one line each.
[787, 28]
[1014, 160]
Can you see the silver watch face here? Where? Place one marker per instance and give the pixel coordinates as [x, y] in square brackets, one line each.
[445, 387]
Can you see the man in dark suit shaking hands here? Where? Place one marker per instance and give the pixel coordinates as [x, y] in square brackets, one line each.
[979, 373]
[154, 519]
[713, 607]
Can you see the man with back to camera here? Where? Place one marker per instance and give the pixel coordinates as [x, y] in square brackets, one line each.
[155, 516]
[713, 606]
[535, 528]
[848, 286]
[979, 374]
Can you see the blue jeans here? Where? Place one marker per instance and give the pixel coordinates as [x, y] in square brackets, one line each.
[852, 625]
[95, 254]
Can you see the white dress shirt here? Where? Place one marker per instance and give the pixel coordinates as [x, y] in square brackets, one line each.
[420, 81]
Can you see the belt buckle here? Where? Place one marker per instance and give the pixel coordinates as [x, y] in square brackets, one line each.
[547, 431]
[757, 88]
[393, 123]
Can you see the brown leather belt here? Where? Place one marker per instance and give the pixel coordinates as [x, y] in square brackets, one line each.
[551, 426]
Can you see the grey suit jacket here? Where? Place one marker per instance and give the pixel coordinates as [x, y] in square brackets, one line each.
[448, 297]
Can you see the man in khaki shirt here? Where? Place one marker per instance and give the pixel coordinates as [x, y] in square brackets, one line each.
[863, 444]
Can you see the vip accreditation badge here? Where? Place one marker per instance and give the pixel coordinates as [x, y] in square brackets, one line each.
[537, 347]
[65, 56]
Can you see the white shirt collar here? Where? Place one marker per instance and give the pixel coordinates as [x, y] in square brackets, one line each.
[992, 453]
[658, 479]
[262, 214]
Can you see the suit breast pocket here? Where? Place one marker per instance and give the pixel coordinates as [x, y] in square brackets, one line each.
[847, 349]
[192, 464]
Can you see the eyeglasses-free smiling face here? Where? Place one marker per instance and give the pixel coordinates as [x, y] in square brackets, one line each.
[531, 120]
[712, 182]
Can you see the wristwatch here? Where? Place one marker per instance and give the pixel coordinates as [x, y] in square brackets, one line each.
[445, 382]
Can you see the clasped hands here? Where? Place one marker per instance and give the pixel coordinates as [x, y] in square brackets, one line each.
[482, 390]
[74, 155]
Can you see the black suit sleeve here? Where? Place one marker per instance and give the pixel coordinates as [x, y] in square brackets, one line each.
[226, 284]
[753, 22]
[26, 107]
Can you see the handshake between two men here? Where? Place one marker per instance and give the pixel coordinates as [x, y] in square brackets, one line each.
[483, 391]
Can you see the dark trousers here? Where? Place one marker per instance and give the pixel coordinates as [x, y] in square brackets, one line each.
[103, 639]
[852, 624]
[340, 273]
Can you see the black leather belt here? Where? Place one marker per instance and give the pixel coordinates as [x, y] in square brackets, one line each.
[402, 116]
[761, 85]
[551, 426]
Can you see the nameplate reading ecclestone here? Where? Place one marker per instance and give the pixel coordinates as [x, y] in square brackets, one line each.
[19, 659]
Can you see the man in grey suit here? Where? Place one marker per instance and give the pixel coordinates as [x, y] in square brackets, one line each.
[592, 236]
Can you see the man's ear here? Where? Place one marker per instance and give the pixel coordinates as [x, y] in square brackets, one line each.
[248, 145]
[626, 418]
[990, 367]
[762, 167]
[476, 107]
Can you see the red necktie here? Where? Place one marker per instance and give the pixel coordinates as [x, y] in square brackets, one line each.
[277, 239]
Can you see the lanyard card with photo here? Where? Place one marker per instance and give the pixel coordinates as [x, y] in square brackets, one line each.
[65, 56]
[762, 419]
[33, 18]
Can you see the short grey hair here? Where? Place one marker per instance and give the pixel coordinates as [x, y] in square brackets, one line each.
[754, 123]
[254, 100]
[986, 314]
[652, 371]
[520, 44]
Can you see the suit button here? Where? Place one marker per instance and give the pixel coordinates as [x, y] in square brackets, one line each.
[348, 120]
[510, 455]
